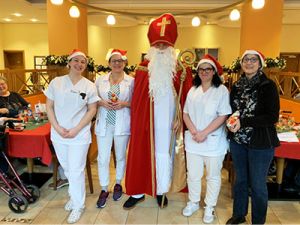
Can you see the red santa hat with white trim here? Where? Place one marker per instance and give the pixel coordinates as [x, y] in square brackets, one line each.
[163, 30]
[113, 51]
[254, 52]
[213, 62]
[76, 52]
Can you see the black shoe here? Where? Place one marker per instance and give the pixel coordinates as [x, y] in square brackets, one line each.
[292, 189]
[159, 201]
[131, 202]
[236, 220]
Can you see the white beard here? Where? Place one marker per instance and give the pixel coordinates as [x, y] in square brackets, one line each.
[162, 67]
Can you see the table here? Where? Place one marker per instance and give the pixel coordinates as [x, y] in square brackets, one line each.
[290, 150]
[34, 143]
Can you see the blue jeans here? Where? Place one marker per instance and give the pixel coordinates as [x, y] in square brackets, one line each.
[251, 167]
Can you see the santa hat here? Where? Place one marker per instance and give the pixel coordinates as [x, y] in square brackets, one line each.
[76, 52]
[112, 52]
[254, 52]
[163, 30]
[212, 61]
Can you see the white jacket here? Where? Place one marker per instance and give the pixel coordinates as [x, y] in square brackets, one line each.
[122, 126]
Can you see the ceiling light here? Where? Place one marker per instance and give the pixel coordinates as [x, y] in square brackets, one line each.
[17, 14]
[34, 20]
[196, 21]
[234, 15]
[151, 20]
[111, 20]
[258, 4]
[7, 19]
[57, 2]
[74, 11]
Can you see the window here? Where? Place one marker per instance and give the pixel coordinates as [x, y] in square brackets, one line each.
[200, 52]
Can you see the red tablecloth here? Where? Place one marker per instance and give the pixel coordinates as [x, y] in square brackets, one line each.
[31, 143]
[290, 150]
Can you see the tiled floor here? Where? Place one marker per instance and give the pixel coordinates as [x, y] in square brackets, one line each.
[49, 209]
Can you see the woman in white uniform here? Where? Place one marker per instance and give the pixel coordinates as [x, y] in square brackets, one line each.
[204, 114]
[71, 105]
[113, 122]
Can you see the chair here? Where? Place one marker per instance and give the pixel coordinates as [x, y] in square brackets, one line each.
[228, 165]
[91, 156]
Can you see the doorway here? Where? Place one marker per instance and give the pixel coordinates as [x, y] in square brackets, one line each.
[14, 60]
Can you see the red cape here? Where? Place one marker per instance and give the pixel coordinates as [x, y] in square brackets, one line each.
[138, 170]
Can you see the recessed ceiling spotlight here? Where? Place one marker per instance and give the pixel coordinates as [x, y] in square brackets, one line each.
[57, 2]
[17, 14]
[7, 19]
[34, 20]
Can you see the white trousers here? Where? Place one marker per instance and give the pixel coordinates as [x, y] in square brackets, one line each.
[104, 151]
[72, 158]
[195, 167]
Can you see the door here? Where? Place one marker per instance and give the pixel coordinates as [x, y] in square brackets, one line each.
[14, 60]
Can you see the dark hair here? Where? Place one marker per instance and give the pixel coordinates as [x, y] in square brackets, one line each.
[216, 80]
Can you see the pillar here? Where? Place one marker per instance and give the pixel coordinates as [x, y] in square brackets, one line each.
[261, 28]
[64, 32]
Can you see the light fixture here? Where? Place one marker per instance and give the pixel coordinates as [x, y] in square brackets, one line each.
[57, 2]
[74, 11]
[151, 20]
[7, 19]
[196, 21]
[33, 20]
[17, 14]
[234, 15]
[111, 20]
[258, 4]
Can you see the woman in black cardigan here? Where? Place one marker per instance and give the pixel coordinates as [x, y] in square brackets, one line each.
[253, 137]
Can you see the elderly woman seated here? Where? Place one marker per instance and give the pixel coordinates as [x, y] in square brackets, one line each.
[10, 102]
[10, 105]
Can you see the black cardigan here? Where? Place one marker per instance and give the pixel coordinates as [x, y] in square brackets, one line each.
[266, 114]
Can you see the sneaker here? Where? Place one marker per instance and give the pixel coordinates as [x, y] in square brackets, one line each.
[117, 192]
[59, 184]
[101, 203]
[190, 208]
[69, 206]
[75, 215]
[236, 220]
[131, 202]
[209, 214]
[159, 201]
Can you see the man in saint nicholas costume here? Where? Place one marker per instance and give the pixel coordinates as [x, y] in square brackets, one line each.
[157, 80]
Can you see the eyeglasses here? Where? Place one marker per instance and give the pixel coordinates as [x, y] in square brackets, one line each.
[252, 60]
[206, 70]
[117, 61]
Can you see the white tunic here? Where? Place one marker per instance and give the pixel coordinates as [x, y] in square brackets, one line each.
[164, 109]
[122, 126]
[70, 106]
[203, 108]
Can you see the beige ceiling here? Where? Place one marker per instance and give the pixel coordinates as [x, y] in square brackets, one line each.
[291, 14]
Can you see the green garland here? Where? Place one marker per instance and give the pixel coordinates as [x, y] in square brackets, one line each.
[91, 66]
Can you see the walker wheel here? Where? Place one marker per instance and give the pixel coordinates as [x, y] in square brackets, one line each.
[18, 203]
[34, 192]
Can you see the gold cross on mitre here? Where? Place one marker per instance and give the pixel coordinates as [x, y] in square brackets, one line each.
[163, 24]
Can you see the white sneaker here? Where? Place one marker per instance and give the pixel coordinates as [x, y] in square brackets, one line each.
[69, 206]
[209, 214]
[190, 208]
[75, 215]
